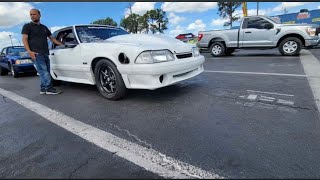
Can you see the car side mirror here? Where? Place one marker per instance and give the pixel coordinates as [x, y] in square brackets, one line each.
[70, 44]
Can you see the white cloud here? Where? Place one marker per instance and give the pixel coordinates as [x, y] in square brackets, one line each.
[14, 13]
[198, 25]
[174, 19]
[179, 7]
[5, 39]
[54, 28]
[218, 22]
[178, 30]
[318, 7]
[140, 8]
[288, 5]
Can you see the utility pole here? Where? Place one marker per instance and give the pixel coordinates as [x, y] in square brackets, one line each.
[130, 9]
[11, 39]
[257, 8]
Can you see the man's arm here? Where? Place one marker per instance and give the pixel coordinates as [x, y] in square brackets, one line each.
[27, 47]
[55, 41]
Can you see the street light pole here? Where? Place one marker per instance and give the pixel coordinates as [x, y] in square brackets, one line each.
[11, 39]
[257, 8]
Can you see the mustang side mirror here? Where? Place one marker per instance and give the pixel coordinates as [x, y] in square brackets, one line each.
[70, 44]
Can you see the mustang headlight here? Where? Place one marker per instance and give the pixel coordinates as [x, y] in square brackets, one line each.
[195, 52]
[157, 56]
[23, 61]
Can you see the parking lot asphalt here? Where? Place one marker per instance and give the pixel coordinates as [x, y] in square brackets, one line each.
[236, 125]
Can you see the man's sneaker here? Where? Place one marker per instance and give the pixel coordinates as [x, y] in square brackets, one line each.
[53, 91]
[42, 91]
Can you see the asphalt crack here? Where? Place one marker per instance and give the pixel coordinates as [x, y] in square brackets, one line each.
[80, 166]
[133, 136]
[4, 98]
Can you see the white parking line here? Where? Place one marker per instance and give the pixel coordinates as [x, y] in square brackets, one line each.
[311, 67]
[256, 73]
[144, 157]
[270, 93]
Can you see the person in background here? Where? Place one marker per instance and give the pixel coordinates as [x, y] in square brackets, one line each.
[34, 37]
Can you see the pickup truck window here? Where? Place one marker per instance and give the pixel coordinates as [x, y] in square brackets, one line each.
[258, 23]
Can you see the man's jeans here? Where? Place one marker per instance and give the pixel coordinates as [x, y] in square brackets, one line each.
[42, 63]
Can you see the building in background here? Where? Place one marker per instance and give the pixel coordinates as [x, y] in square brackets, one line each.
[302, 17]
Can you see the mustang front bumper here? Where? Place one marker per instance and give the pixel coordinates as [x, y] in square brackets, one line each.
[153, 76]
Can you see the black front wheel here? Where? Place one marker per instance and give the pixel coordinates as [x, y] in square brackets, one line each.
[14, 73]
[290, 46]
[109, 81]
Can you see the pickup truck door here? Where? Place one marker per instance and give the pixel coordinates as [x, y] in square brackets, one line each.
[257, 32]
[65, 60]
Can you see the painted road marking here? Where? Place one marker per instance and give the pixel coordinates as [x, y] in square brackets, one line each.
[252, 97]
[256, 97]
[311, 67]
[285, 102]
[256, 73]
[144, 157]
[270, 93]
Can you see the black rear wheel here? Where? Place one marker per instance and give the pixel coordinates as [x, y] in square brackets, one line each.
[217, 49]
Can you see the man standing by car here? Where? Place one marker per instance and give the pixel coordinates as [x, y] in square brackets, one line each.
[34, 37]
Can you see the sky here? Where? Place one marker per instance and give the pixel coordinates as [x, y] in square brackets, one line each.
[184, 17]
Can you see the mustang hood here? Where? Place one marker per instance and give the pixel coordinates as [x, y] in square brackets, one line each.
[153, 42]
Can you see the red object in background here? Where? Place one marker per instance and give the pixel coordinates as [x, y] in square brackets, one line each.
[200, 37]
[185, 37]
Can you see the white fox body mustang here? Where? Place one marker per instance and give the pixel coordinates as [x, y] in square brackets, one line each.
[115, 61]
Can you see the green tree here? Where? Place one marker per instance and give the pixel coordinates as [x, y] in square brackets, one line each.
[226, 10]
[131, 23]
[157, 20]
[108, 21]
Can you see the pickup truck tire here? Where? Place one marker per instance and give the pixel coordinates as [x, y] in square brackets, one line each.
[3, 71]
[109, 81]
[217, 49]
[290, 46]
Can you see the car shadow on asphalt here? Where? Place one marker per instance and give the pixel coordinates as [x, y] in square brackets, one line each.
[167, 93]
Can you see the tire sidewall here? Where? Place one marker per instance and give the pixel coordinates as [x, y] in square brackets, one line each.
[297, 40]
[223, 49]
[14, 73]
[120, 86]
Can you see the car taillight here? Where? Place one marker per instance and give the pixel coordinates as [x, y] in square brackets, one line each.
[200, 37]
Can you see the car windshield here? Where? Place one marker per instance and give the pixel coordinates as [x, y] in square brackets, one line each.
[16, 51]
[88, 34]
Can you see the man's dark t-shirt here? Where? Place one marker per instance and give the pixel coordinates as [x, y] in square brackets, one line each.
[37, 37]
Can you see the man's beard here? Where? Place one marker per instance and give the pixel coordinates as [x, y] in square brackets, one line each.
[36, 20]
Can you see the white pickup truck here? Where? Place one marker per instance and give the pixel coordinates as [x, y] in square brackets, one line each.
[260, 32]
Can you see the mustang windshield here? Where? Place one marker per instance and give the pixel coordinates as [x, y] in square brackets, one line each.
[88, 34]
[16, 51]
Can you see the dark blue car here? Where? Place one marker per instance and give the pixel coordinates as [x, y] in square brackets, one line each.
[16, 60]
